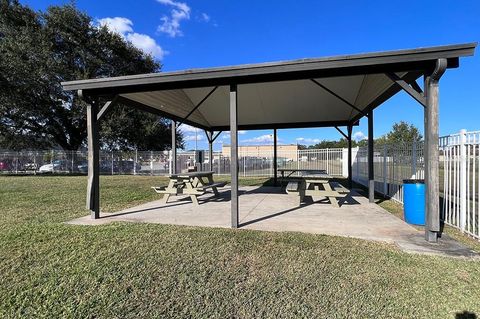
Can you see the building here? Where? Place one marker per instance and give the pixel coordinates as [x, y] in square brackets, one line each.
[289, 151]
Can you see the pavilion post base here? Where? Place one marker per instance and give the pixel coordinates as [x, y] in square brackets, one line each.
[371, 191]
[431, 236]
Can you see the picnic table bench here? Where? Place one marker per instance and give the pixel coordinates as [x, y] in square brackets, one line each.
[192, 184]
[316, 185]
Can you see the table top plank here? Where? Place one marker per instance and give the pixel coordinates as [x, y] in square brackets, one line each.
[308, 170]
[317, 176]
[192, 174]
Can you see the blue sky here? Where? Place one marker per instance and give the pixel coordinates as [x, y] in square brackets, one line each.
[193, 33]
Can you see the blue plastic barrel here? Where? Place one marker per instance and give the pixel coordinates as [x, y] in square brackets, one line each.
[414, 201]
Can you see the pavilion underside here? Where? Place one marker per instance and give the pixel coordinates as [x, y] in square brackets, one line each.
[324, 92]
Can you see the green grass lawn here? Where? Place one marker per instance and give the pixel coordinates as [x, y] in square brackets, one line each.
[52, 270]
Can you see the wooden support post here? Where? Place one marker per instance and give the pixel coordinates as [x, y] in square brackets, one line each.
[371, 179]
[174, 147]
[275, 177]
[234, 155]
[432, 207]
[349, 140]
[93, 187]
[210, 148]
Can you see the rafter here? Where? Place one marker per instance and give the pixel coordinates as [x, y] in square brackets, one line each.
[338, 97]
[341, 132]
[198, 105]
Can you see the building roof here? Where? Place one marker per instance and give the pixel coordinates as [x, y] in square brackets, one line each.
[329, 91]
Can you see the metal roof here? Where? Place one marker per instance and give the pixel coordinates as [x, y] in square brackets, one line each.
[330, 91]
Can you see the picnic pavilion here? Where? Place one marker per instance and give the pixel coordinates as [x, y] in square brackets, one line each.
[320, 92]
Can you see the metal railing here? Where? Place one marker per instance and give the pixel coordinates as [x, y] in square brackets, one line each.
[460, 165]
[459, 168]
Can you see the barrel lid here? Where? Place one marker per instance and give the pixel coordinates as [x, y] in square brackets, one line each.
[414, 181]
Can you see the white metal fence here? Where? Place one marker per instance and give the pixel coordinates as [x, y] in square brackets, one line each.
[459, 168]
[460, 164]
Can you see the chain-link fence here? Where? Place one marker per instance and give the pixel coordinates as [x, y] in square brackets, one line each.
[158, 162]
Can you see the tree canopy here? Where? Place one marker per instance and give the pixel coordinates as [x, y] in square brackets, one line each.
[41, 49]
[402, 133]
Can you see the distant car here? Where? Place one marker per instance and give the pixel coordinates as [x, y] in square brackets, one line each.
[4, 165]
[82, 167]
[57, 165]
[119, 167]
[30, 166]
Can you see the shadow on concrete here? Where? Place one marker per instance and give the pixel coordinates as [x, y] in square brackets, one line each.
[182, 201]
[273, 215]
[308, 200]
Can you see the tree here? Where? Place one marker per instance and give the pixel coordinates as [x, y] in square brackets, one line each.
[402, 133]
[40, 50]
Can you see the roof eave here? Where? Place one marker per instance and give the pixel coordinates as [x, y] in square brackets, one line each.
[389, 61]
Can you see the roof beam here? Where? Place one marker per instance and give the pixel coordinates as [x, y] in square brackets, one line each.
[215, 136]
[106, 107]
[416, 87]
[420, 98]
[387, 94]
[338, 96]
[152, 110]
[341, 132]
[198, 105]
[286, 125]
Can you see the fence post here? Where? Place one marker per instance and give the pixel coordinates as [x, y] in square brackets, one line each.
[16, 163]
[151, 163]
[385, 190]
[414, 160]
[51, 162]
[135, 163]
[463, 179]
[345, 162]
[328, 151]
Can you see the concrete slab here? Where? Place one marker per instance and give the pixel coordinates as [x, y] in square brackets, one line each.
[270, 209]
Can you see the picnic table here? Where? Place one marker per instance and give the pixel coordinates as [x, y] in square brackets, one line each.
[317, 184]
[193, 184]
[301, 171]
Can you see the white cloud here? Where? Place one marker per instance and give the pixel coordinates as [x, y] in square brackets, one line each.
[262, 139]
[358, 136]
[242, 132]
[171, 24]
[124, 27]
[118, 25]
[146, 44]
[185, 128]
[308, 140]
[204, 17]
[191, 138]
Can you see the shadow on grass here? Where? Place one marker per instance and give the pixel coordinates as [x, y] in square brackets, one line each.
[465, 315]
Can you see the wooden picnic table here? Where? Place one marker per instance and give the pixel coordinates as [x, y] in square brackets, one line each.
[302, 171]
[317, 184]
[193, 184]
